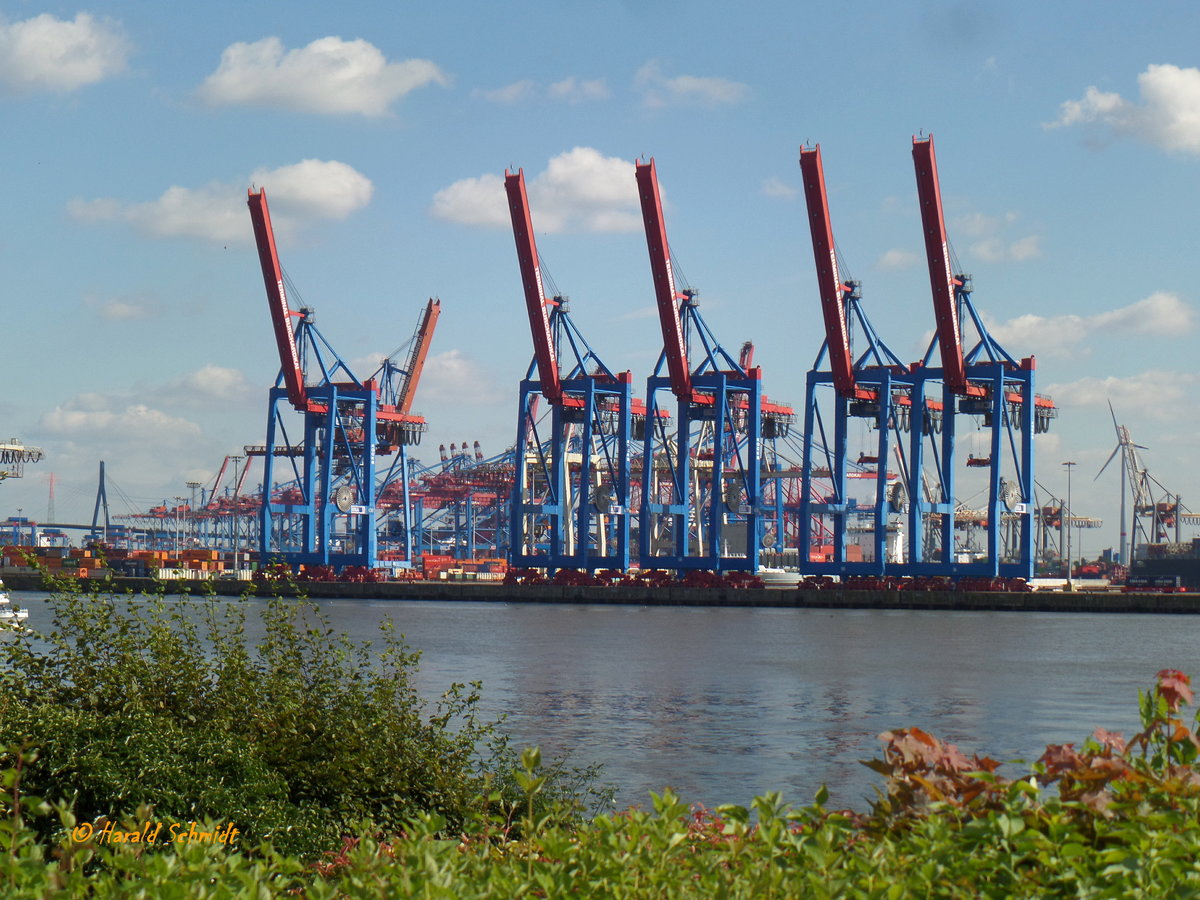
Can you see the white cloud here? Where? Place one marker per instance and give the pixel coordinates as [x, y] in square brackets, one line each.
[149, 452]
[575, 90]
[45, 53]
[1160, 314]
[1168, 115]
[571, 90]
[315, 188]
[777, 187]
[122, 309]
[209, 386]
[452, 377]
[1025, 248]
[510, 93]
[299, 193]
[92, 417]
[994, 245]
[898, 259]
[981, 224]
[659, 90]
[473, 201]
[1155, 394]
[329, 76]
[998, 250]
[580, 190]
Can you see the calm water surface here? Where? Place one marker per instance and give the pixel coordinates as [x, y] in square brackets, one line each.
[724, 704]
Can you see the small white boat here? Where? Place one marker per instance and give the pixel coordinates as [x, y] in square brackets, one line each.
[7, 613]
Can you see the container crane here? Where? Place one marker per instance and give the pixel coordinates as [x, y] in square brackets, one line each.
[571, 491]
[330, 520]
[988, 384]
[399, 384]
[398, 387]
[701, 504]
[875, 387]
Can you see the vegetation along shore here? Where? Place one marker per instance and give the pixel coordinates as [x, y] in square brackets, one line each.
[147, 750]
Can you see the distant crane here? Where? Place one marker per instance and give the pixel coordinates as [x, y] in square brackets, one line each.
[571, 491]
[331, 518]
[984, 382]
[1155, 515]
[398, 388]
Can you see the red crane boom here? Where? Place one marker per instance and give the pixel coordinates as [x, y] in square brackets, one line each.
[829, 281]
[416, 357]
[531, 278]
[664, 281]
[281, 316]
[941, 275]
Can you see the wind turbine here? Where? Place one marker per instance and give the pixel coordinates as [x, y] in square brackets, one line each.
[1128, 449]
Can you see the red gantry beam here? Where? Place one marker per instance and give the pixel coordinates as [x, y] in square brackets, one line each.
[416, 358]
[829, 282]
[664, 281]
[531, 278]
[281, 316]
[941, 276]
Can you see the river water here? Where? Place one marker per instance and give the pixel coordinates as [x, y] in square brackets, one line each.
[725, 704]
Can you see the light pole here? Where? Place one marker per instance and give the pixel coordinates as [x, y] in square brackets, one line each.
[236, 512]
[178, 521]
[191, 528]
[1069, 465]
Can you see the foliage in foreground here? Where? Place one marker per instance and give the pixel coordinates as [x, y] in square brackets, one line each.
[1110, 819]
[299, 737]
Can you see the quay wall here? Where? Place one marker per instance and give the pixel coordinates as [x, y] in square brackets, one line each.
[771, 598]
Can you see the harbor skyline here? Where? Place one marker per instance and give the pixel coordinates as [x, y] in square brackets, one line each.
[138, 332]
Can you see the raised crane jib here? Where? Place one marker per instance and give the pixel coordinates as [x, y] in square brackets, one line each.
[531, 280]
[281, 316]
[941, 275]
[416, 356]
[674, 346]
[829, 281]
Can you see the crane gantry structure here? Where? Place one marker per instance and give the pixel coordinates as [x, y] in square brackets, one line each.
[875, 387]
[983, 382]
[329, 516]
[570, 503]
[702, 485]
[914, 410]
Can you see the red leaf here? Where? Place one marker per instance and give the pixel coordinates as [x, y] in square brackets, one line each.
[1110, 740]
[1060, 758]
[1174, 687]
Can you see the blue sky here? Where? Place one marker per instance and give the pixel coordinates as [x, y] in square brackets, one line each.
[137, 332]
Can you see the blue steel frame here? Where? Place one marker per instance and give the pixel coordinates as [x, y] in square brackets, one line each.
[877, 370]
[684, 518]
[558, 518]
[338, 450]
[1010, 417]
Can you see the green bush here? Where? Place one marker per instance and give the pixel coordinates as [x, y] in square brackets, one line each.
[1124, 822]
[303, 740]
[299, 739]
